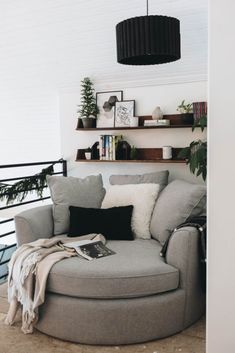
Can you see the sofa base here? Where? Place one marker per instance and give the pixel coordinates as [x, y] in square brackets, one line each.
[113, 322]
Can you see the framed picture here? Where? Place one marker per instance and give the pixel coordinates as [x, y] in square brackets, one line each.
[106, 103]
[124, 110]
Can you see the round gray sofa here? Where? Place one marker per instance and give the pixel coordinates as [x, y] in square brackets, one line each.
[130, 297]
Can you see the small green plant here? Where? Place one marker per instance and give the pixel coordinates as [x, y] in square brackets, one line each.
[196, 153]
[134, 153]
[88, 107]
[184, 108]
[202, 122]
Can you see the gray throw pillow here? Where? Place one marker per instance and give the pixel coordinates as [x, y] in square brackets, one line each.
[160, 178]
[178, 201]
[71, 191]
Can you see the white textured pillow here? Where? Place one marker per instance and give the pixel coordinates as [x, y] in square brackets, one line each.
[142, 197]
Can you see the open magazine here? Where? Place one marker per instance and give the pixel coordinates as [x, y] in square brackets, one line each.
[90, 249]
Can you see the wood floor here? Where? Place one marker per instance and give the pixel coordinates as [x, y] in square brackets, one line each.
[12, 340]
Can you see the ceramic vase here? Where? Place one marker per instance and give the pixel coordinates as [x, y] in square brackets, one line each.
[157, 114]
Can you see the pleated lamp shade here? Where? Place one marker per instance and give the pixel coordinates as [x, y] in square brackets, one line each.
[148, 40]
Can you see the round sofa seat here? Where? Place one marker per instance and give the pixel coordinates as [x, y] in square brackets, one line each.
[136, 270]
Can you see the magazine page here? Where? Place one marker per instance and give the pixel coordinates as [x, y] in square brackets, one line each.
[95, 250]
[75, 244]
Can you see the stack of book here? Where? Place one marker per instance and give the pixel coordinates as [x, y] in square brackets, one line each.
[199, 110]
[159, 122]
[107, 146]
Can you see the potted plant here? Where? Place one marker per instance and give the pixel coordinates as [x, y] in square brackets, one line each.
[186, 111]
[88, 109]
[196, 153]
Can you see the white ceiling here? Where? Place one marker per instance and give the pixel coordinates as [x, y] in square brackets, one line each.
[53, 43]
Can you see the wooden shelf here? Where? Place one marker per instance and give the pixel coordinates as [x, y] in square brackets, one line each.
[133, 161]
[144, 155]
[175, 123]
[134, 128]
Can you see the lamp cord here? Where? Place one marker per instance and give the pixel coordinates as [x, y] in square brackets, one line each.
[147, 5]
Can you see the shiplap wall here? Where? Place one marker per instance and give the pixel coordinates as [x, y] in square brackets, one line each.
[49, 45]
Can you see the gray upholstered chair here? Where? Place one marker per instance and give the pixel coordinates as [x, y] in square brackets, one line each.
[133, 296]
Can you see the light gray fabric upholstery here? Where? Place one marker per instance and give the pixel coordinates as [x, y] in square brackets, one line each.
[178, 201]
[135, 270]
[183, 253]
[71, 191]
[160, 178]
[33, 224]
[118, 320]
[112, 321]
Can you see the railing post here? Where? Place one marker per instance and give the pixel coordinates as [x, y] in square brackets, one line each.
[64, 167]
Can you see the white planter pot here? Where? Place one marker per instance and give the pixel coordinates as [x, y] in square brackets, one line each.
[88, 155]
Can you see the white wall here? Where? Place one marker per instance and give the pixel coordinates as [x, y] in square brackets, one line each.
[48, 45]
[221, 247]
[147, 97]
[30, 128]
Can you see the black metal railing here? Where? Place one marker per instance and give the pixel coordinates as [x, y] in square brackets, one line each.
[7, 250]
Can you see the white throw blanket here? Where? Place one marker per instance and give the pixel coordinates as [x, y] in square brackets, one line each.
[28, 271]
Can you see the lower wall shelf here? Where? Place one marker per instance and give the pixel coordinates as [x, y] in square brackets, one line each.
[144, 155]
[132, 161]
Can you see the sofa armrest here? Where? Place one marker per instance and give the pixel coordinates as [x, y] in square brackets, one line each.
[33, 224]
[183, 253]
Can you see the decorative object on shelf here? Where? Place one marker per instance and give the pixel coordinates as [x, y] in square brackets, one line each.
[134, 121]
[196, 153]
[134, 153]
[160, 122]
[148, 40]
[107, 147]
[80, 124]
[186, 111]
[89, 123]
[105, 102]
[123, 150]
[87, 109]
[20, 190]
[95, 151]
[157, 114]
[88, 153]
[199, 110]
[166, 152]
[124, 111]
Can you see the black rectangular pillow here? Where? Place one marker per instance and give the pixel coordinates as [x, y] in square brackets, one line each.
[114, 223]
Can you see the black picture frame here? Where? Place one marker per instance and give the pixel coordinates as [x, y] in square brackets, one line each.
[124, 111]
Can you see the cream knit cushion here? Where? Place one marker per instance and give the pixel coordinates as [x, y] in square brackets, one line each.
[142, 197]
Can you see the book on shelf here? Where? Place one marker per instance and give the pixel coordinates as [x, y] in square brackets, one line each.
[107, 147]
[90, 249]
[159, 122]
[199, 110]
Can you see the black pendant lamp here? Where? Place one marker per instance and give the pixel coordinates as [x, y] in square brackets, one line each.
[148, 40]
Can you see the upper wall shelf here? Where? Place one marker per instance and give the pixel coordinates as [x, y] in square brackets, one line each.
[134, 128]
[175, 122]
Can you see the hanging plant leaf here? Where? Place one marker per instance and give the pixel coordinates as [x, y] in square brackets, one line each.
[196, 156]
[202, 123]
[19, 190]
